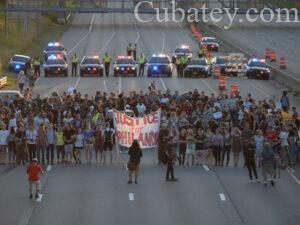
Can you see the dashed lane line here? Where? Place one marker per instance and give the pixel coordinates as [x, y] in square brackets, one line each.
[163, 83]
[131, 196]
[206, 167]
[293, 176]
[222, 197]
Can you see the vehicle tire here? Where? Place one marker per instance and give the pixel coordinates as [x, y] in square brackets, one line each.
[66, 74]
[81, 74]
[148, 74]
[45, 74]
[135, 74]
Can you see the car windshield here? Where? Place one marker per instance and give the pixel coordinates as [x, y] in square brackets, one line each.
[257, 64]
[125, 61]
[91, 61]
[54, 48]
[182, 50]
[199, 62]
[206, 40]
[20, 59]
[56, 61]
[220, 61]
[163, 60]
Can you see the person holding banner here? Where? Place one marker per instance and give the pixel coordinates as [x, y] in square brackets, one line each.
[135, 154]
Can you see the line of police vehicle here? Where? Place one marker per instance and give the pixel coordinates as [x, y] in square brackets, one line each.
[55, 63]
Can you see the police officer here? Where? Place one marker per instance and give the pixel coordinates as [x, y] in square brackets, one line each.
[107, 60]
[134, 51]
[75, 61]
[130, 49]
[37, 66]
[141, 62]
[184, 61]
[178, 66]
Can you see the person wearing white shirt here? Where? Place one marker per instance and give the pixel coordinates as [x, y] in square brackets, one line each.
[3, 142]
[12, 121]
[31, 137]
[141, 108]
[284, 144]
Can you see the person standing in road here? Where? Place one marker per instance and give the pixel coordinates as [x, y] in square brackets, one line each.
[89, 140]
[249, 151]
[267, 162]
[50, 143]
[236, 144]
[37, 66]
[21, 145]
[135, 154]
[33, 171]
[285, 102]
[31, 137]
[179, 67]
[21, 80]
[106, 60]
[129, 49]
[68, 140]
[170, 160]
[41, 144]
[134, 51]
[75, 61]
[31, 79]
[59, 144]
[141, 62]
[108, 142]
[218, 143]
[4, 133]
[200, 52]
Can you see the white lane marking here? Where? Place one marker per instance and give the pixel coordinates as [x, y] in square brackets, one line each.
[109, 39]
[120, 86]
[294, 177]
[222, 197]
[49, 167]
[205, 167]
[104, 85]
[208, 86]
[131, 197]
[39, 199]
[163, 42]
[293, 171]
[85, 36]
[163, 83]
[37, 80]
[126, 167]
[77, 82]
[261, 91]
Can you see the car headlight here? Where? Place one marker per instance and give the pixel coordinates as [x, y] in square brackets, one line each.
[133, 68]
[268, 70]
[117, 68]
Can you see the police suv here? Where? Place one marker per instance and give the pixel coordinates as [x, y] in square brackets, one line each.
[184, 50]
[211, 44]
[160, 65]
[197, 68]
[125, 66]
[55, 48]
[257, 68]
[91, 65]
[18, 63]
[55, 65]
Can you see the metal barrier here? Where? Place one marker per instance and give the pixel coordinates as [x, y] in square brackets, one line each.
[3, 81]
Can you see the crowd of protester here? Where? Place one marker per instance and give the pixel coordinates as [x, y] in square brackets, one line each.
[200, 127]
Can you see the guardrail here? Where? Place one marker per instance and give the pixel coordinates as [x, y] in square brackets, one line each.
[3, 82]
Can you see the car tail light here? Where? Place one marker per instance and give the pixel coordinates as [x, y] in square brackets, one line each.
[58, 69]
[94, 69]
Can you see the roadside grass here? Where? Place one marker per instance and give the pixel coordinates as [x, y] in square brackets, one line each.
[27, 43]
[284, 3]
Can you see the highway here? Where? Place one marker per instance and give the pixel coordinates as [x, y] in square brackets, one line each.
[98, 194]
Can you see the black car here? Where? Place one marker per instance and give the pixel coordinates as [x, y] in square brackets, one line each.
[91, 65]
[197, 68]
[183, 50]
[211, 44]
[125, 66]
[18, 63]
[160, 65]
[55, 67]
[257, 68]
[55, 48]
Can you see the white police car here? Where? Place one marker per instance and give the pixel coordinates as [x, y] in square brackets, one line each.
[160, 65]
[257, 68]
[183, 50]
[18, 62]
[54, 48]
[125, 66]
[55, 65]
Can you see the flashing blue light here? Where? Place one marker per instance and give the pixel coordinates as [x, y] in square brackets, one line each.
[254, 60]
[51, 57]
[17, 67]
[155, 68]
[50, 44]
[122, 68]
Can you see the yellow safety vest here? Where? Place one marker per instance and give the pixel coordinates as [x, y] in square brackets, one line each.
[106, 59]
[74, 59]
[36, 62]
[141, 60]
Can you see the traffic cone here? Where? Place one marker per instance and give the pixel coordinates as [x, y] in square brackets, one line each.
[217, 72]
[282, 63]
[222, 83]
[234, 89]
[273, 56]
[268, 53]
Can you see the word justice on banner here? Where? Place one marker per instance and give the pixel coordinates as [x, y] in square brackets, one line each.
[144, 129]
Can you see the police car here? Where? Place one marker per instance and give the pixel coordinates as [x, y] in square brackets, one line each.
[55, 48]
[211, 44]
[126, 66]
[160, 65]
[197, 68]
[55, 65]
[18, 62]
[91, 65]
[184, 50]
[257, 68]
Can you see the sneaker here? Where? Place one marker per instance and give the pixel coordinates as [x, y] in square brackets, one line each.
[272, 182]
[129, 182]
[30, 196]
[174, 179]
[258, 181]
[250, 181]
[36, 196]
[266, 183]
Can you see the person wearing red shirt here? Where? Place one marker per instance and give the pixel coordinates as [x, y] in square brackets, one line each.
[33, 171]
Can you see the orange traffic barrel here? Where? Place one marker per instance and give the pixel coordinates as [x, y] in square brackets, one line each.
[222, 83]
[234, 89]
[268, 53]
[273, 56]
[282, 63]
[217, 72]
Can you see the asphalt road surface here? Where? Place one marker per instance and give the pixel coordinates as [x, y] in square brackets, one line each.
[98, 194]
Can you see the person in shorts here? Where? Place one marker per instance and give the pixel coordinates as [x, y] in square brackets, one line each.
[78, 146]
[33, 171]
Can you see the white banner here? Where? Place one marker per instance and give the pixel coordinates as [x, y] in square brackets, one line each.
[144, 129]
